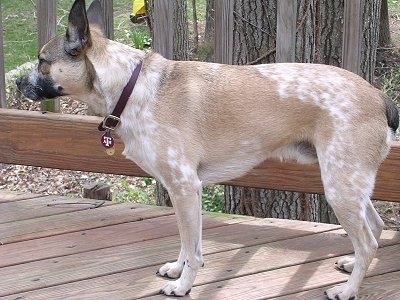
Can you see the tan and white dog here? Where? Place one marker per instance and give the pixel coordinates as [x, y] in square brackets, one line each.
[192, 123]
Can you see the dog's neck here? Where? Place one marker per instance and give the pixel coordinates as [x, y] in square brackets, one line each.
[111, 121]
[113, 72]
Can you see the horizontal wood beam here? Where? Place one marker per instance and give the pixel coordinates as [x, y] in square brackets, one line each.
[72, 142]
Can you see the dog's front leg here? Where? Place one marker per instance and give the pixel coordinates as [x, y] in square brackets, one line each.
[187, 206]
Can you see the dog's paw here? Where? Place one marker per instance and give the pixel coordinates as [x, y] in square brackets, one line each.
[345, 264]
[171, 270]
[341, 292]
[176, 288]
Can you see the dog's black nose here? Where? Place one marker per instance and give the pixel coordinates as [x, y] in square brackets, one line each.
[18, 81]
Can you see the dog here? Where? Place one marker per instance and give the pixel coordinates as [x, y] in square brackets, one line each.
[189, 124]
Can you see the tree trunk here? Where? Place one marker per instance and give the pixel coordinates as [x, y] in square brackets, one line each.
[209, 31]
[265, 203]
[370, 38]
[319, 40]
[384, 30]
[181, 31]
[195, 27]
[254, 31]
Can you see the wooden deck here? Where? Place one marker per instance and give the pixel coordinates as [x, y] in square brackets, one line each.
[58, 248]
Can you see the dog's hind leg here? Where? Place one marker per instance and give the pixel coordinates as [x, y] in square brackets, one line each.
[348, 186]
[186, 200]
[376, 224]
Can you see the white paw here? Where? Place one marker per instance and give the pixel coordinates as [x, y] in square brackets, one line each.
[177, 288]
[341, 292]
[346, 264]
[171, 270]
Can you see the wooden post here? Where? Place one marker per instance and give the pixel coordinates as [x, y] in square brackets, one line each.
[97, 190]
[108, 17]
[352, 36]
[223, 37]
[46, 16]
[3, 102]
[163, 30]
[286, 30]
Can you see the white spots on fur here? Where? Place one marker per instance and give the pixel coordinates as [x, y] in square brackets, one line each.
[325, 88]
[172, 158]
[389, 137]
[182, 172]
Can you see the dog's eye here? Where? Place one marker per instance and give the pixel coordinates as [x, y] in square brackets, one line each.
[44, 66]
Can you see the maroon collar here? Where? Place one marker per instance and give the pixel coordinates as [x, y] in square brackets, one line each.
[111, 121]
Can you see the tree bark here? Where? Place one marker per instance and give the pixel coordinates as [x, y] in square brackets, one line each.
[181, 31]
[254, 31]
[370, 38]
[384, 30]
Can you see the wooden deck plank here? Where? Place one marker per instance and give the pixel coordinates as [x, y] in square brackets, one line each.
[83, 220]
[97, 263]
[99, 238]
[109, 253]
[121, 259]
[8, 196]
[280, 274]
[253, 232]
[290, 280]
[384, 286]
[44, 206]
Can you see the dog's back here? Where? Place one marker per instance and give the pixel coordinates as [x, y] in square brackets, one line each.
[237, 116]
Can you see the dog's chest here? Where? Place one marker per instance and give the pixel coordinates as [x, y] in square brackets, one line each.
[139, 137]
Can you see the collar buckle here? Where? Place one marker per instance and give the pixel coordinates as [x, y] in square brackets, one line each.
[110, 122]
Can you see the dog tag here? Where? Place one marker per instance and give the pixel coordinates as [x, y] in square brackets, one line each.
[108, 142]
[110, 151]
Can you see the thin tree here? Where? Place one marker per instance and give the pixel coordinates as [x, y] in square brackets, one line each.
[384, 27]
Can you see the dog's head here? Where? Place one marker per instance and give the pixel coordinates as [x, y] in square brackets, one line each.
[63, 67]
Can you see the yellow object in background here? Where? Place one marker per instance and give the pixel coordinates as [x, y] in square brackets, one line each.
[138, 8]
[138, 11]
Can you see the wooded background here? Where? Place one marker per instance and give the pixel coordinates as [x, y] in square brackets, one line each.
[245, 32]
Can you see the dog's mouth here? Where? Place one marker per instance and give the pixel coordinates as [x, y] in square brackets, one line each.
[41, 90]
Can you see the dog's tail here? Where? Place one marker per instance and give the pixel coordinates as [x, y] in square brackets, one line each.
[392, 113]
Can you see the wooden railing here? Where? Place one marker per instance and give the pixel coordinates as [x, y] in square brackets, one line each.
[72, 142]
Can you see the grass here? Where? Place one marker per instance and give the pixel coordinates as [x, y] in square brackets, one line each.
[394, 6]
[20, 36]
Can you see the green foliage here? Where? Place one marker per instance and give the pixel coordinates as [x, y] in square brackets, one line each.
[213, 198]
[140, 192]
[394, 7]
[140, 39]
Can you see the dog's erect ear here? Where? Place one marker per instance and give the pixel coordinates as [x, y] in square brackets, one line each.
[78, 34]
[95, 16]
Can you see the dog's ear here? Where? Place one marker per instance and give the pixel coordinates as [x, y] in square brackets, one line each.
[78, 35]
[95, 16]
